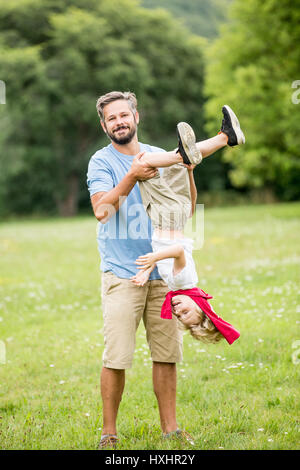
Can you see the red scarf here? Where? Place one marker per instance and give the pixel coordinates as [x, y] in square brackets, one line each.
[200, 297]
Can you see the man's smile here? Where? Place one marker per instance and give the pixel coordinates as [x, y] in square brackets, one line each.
[121, 128]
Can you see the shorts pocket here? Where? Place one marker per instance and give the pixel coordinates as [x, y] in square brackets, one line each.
[109, 282]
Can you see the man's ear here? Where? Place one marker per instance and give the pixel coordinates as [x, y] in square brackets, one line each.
[137, 117]
[103, 125]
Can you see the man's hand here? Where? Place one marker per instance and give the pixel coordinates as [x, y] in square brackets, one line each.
[146, 261]
[141, 169]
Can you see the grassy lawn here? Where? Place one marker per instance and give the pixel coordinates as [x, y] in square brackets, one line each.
[244, 396]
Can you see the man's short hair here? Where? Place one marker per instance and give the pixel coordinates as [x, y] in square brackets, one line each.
[114, 96]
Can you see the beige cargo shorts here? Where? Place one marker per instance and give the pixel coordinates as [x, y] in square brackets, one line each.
[124, 305]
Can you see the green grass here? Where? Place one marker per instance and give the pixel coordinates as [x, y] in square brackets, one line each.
[243, 396]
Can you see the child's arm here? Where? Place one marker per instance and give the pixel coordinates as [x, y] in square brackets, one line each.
[193, 189]
[142, 276]
[174, 251]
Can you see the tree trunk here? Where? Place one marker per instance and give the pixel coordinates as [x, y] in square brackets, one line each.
[69, 205]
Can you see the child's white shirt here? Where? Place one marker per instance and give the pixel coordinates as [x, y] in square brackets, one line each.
[185, 279]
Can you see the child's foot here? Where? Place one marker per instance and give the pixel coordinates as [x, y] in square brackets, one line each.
[187, 144]
[231, 127]
[141, 277]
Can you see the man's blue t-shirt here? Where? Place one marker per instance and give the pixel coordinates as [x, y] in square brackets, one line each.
[127, 234]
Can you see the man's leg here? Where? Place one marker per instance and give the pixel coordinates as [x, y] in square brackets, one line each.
[112, 385]
[165, 342]
[119, 329]
[164, 385]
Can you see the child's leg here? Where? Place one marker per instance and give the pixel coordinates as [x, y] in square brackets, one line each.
[187, 151]
[209, 146]
[231, 134]
[166, 159]
[161, 159]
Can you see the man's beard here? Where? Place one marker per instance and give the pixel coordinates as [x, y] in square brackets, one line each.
[125, 139]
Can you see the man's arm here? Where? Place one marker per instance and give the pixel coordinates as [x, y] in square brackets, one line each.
[106, 204]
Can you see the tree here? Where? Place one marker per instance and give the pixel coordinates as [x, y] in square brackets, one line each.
[57, 57]
[252, 67]
[202, 17]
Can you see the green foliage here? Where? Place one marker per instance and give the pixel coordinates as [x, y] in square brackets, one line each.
[252, 67]
[57, 58]
[202, 17]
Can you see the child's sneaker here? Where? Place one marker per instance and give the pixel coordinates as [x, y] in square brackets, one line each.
[187, 144]
[231, 127]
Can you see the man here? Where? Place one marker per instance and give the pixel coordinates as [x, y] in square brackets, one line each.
[124, 234]
[112, 180]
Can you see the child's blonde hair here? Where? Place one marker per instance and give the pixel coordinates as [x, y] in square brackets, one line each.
[205, 330]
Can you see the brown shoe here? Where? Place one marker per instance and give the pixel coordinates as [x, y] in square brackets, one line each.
[180, 434]
[108, 441]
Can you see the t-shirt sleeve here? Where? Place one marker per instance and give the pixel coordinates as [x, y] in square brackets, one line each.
[99, 176]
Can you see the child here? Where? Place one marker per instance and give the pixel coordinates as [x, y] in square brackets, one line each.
[167, 200]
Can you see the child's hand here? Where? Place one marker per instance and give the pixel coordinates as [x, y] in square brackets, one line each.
[189, 167]
[146, 261]
[141, 277]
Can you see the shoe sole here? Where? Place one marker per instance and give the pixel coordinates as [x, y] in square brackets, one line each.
[188, 141]
[235, 125]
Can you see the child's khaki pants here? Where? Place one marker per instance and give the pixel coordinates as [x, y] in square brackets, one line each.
[167, 199]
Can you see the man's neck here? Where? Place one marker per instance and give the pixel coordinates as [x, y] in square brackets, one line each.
[132, 148]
